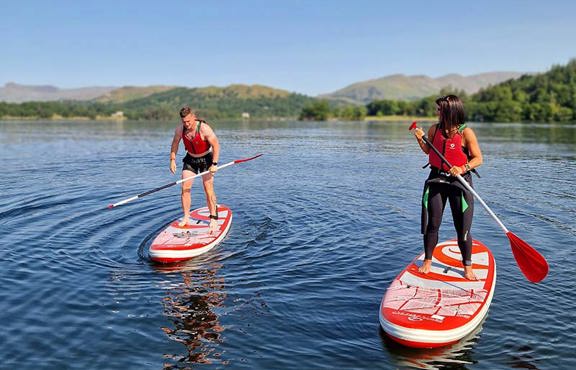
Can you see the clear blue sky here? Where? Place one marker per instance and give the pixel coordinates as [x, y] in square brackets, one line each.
[311, 47]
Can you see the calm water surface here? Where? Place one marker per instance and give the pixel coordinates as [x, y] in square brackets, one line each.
[322, 224]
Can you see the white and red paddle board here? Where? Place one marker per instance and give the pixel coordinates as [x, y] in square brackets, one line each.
[441, 307]
[177, 243]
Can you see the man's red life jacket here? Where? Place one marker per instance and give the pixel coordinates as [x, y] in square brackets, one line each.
[195, 144]
[451, 148]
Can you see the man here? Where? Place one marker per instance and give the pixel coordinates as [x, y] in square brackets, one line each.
[203, 151]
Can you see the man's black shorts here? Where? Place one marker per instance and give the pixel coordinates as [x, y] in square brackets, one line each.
[197, 165]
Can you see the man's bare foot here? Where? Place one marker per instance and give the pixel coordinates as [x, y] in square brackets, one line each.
[469, 273]
[425, 268]
[185, 221]
[213, 226]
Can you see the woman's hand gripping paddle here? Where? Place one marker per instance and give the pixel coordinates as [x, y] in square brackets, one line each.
[532, 264]
[180, 181]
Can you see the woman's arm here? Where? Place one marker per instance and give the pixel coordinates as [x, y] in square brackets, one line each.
[471, 142]
[419, 133]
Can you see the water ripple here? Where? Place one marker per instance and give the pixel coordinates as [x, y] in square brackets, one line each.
[322, 224]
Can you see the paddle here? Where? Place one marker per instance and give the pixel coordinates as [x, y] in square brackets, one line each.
[180, 181]
[532, 264]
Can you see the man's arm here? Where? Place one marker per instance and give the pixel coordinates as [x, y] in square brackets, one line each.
[211, 137]
[174, 147]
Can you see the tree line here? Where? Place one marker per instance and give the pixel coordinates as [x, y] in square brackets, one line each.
[164, 106]
[55, 108]
[546, 97]
[322, 110]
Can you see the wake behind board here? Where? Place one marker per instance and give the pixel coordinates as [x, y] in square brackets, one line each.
[441, 307]
[177, 243]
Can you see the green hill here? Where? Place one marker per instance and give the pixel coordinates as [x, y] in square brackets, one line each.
[127, 93]
[218, 102]
[545, 97]
[17, 93]
[164, 103]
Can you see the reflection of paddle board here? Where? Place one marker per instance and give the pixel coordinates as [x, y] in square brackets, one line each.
[440, 307]
[449, 356]
[177, 243]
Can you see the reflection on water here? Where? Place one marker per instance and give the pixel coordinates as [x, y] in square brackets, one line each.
[455, 356]
[527, 132]
[12, 132]
[522, 358]
[460, 355]
[323, 226]
[192, 307]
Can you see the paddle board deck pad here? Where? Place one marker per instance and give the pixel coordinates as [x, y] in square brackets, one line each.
[441, 307]
[178, 243]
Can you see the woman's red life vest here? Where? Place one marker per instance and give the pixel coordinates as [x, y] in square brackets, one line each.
[451, 148]
[195, 144]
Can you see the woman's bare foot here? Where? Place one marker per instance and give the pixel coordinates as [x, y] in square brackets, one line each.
[425, 268]
[469, 273]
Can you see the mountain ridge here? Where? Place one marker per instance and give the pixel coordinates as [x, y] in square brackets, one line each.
[399, 86]
[18, 93]
[396, 86]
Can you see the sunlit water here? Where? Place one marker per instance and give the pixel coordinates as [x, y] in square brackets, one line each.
[322, 224]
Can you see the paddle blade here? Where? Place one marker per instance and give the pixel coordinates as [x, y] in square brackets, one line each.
[247, 159]
[413, 126]
[531, 263]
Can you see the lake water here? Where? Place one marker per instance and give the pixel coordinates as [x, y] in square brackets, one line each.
[322, 224]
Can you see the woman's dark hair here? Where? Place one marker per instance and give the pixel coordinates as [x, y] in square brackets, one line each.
[451, 111]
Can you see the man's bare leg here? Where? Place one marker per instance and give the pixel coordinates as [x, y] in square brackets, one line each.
[186, 198]
[208, 181]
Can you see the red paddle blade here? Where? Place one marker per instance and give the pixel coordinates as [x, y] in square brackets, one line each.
[413, 126]
[247, 159]
[532, 263]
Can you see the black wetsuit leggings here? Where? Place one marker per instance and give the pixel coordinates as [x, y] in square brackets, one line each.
[462, 207]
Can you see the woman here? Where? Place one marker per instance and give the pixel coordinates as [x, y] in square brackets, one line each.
[460, 147]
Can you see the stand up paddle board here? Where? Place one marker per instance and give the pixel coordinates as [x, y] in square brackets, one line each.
[177, 243]
[441, 307]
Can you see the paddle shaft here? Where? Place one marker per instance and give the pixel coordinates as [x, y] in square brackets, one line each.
[532, 264]
[466, 185]
[178, 182]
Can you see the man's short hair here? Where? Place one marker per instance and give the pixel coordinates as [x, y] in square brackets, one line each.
[185, 111]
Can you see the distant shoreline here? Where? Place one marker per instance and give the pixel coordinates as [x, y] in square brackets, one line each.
[400, 118]
[61, 118]
[393, 118]
[380, 119]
